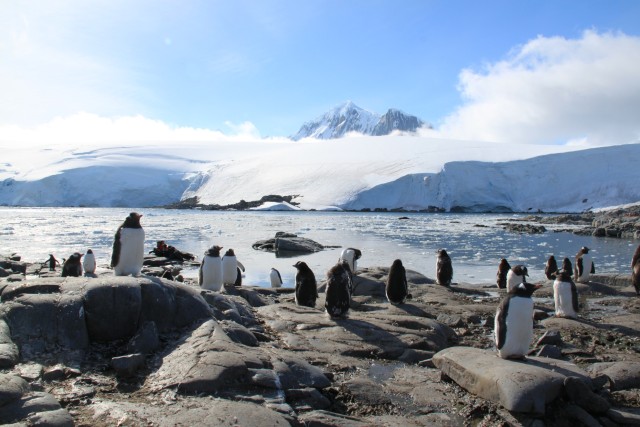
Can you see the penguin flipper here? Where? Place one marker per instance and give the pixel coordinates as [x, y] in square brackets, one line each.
[593, 267]
[574, 297]
[115, 254]
[500, 323]
[279, 277]
[579, 268]
[200, 273]
[240, 266]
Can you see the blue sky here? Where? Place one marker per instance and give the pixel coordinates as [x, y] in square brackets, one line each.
[271, 65]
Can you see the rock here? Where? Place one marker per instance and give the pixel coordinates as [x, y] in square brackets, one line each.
[310, 397]
[54, 418]
[298, 373]
[550, 337]
[146, 340]
[239, 333]
[27, 405]
[518, 386]
[287, 243]
[580, 393]
[540, 314]
[621, 416]
[450, 320]
[54, 373]
[623, 375]
[12, 387]
[411, 355]
[549, 350]
[577, 413]
[328, 419]
[128, 365]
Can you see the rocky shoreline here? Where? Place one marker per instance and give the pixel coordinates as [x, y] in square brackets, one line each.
[105, 350]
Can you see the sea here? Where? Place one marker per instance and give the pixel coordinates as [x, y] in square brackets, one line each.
[475, 242]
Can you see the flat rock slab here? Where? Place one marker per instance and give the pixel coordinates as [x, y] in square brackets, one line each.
[519, 386]
[623, 375]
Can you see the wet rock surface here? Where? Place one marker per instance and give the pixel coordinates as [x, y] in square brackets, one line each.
[107, 350]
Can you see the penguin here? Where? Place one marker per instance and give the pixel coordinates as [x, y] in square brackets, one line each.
[634, 259]
[346, 267]
[89, 262]
[396, 289]
[635, 277]
[567, 267]
[501, 275]
[550, 268]
[230, 266]
[351, 256]
[276, 279]
[210, 272]
[584, 266]
[444, 270]
[514, 322]
[516, 276]
[565, 295]
[128, 247]
[239, 270]
[306, 289]
[72, 267]
[338, 296]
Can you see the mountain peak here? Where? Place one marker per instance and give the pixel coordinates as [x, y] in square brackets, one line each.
[348, 117]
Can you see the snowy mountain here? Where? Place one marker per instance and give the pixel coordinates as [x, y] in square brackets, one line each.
[393, 172]
[350, 118]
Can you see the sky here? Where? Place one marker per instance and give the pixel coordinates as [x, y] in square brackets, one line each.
[534, 72]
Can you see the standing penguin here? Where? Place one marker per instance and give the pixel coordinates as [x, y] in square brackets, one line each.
[635, 277]
[396, 289]
[351, 256]
[444, 269]
[514, 322]
[210, 272]
[565, 295]
[634, 259]
[89, 262]
[276, 279]
[501, 275]
[230, 268]
[128, 247]
[306, 289]
[72, 267]
[347, 269]
[584, 266]
[516, 275]
[567, 267]
[550, 268]
[338, 296]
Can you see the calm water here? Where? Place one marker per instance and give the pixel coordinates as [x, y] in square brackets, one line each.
[474, 242]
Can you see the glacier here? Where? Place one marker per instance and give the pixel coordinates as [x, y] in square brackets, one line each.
[353, 173]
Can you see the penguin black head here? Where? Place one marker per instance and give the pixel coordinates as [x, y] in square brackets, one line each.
[442, 253]
[133, 220]
[75, 257]
[357, 253]
[563, 276]
[229, 252]
[504, 264]
[525, 289]
[301, 266]
[213, 251]
[520, 270]
[584, 250]
[396, 263]
[89, 251]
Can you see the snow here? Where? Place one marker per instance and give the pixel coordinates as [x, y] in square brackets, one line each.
[410, 172]
[276, 206]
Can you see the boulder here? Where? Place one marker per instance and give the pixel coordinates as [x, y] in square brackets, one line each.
[623, 375]
[519, 386]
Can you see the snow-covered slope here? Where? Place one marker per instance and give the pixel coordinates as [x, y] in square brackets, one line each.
[390, 172]
[348, 117]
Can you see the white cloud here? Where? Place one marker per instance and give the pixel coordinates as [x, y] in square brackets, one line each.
[554, 90]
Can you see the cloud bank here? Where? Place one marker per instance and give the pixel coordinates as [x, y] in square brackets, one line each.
[554, 90]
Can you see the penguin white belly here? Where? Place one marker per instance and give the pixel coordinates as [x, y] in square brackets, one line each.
[513, 280]
[350, 257]
[229, 270]
[519, 323]
[89, 263]
[131, 252]
[563, 299]
[212, 273]
[275, 279]
[587, 263]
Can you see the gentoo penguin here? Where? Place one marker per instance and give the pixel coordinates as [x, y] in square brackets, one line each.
[210, 273]
[346, 267]
[89, 262]
[516, 276]
[550, 268]
[635, 277]
[276, 279]
[351, 256]
[634, 259]
[514, 322]
[128, 247]
[444, 269]
[338, 296]
[306, 289]
[230, 268]
[396, 289]
[501, 275]
[72, 266]
[584, 266]
[567, 267]
[565, 295]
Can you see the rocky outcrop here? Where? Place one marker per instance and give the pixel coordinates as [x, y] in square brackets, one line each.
[285, 244]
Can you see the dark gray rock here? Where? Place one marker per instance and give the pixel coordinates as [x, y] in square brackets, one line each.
[28, 404]
[577, 413]
[549, 350]
[54, 373]
[298, 373]
[580, 393]
[310, 397]
[623, 375]
[128, 365]
[239, 333]
[550, 337]
[54, 418]
[625, 417]
[112, 308]
[146, 340]
[12, 387]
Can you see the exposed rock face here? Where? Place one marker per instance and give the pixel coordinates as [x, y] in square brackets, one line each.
[288, 243]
